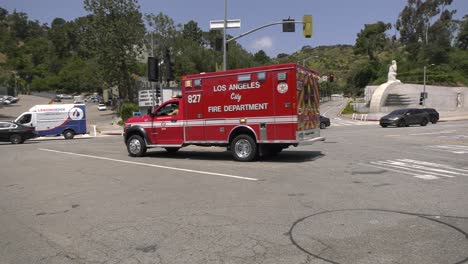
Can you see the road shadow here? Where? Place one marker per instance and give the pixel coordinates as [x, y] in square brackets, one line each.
[283, 157]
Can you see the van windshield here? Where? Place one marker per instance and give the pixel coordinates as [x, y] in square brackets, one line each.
[25, 119]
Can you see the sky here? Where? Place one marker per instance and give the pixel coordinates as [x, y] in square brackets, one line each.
[335, 21]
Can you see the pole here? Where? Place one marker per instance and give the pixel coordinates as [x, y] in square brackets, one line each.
[224, 36]
[424, 89]
[151, 83]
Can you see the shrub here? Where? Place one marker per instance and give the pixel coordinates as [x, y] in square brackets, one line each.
[348, 109]
[126, 111]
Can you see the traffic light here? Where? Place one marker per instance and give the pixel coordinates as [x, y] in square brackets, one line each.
[307, 26]
[153, 69]
[421, 98]
[219, 44]
[331, 77]
[288, 25]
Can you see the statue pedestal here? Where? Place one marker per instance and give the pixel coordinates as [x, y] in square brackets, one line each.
[379, 95]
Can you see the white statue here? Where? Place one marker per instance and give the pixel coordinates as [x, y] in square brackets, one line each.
[392, 72]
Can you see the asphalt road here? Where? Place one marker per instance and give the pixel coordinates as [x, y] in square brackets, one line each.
[365, 195]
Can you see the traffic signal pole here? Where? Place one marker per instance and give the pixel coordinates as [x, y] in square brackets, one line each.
[264, 26]
[224, 36]
[307, 22]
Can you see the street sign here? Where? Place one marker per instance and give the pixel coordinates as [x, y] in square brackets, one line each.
[145, 98]
[218, 24]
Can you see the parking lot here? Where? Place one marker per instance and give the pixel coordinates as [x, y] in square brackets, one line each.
[365, 195]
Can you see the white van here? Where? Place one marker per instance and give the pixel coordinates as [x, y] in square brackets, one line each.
[56, 119]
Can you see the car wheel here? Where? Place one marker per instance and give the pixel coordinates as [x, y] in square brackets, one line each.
[172, 150]
[424, 122]
[434, 121]
[136, 146]
[401, 123]
[323, 125]
[69, 134]
[384, 125]
[16, 139]
[244, 148]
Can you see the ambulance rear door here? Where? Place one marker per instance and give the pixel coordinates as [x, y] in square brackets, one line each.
[283, 87]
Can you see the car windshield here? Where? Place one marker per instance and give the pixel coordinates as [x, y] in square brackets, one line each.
[398, 112]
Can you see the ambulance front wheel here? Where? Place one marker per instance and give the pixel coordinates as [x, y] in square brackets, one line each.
[244, 148]
[68, 134]
[136, 146]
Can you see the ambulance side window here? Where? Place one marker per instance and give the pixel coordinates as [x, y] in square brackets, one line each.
[169, 109]
[261, 76]
[25, 119]
[243, 78]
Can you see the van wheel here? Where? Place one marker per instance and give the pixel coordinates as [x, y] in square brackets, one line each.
[16, 139]
[172, 150]
[424, 122]
[136, 146]
[68, 134]
[244, 148]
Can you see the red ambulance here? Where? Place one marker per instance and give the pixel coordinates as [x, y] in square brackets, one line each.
[251, 111]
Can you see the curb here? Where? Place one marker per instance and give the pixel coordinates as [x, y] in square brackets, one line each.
[111, 133]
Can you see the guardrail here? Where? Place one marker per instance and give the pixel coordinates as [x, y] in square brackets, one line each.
[362, 117]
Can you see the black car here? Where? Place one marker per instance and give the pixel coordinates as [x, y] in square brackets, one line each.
[405, 117]
[15, 133]
[324, 122]
[433, 115]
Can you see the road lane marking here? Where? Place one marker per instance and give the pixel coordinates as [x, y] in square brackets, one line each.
[151, 165]
[434, 133]
[456, 149]
[402, 165]
[399, 171]
[419, 169]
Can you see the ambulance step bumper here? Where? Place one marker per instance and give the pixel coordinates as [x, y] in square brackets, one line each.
[310, 141]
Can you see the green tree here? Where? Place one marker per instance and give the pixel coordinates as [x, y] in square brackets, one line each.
[372, 39]
[462, 38]
[79, 76]
[414, 23]
[193, 32]
[261, 58]
[116, 32]
[162, 33]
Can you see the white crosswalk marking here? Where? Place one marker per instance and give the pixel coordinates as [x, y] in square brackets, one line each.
[456, 149]
[342, 122]
[419, 169]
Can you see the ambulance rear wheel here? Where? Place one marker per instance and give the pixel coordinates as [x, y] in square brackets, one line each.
[136, 146]
[68, 134]
[244, 148]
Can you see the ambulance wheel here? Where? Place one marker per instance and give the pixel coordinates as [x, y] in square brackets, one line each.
[68, 134]
[16, 139]
[244, 148]
[136, 146]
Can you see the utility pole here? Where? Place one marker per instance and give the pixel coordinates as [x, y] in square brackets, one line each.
[224, 37]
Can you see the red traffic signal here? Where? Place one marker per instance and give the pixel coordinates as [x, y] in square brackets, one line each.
[331, 77]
